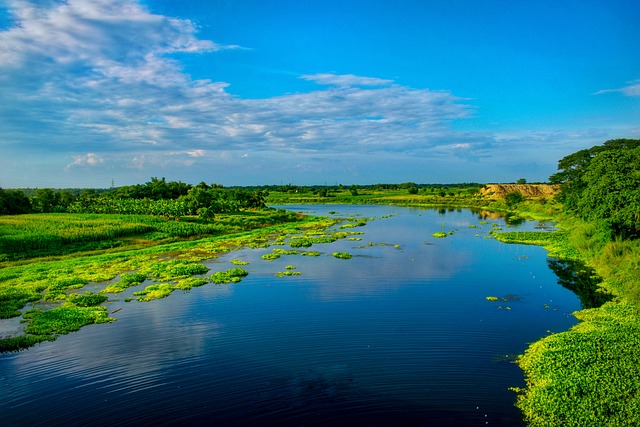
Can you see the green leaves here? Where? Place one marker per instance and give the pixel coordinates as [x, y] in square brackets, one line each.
[603, 184]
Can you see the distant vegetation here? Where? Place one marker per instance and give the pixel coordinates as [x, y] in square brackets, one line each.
[157, 197]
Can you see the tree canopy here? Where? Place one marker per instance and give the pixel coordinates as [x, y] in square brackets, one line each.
[602, 184]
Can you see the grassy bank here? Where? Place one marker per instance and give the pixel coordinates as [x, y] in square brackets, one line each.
[589, 375]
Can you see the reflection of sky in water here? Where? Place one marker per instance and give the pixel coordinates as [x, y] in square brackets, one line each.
[391, 333]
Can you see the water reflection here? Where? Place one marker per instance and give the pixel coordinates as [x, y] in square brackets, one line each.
[581, 280]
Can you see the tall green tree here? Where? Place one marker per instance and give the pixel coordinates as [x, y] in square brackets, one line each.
[602, 184]
[612, 191]
[14, 202]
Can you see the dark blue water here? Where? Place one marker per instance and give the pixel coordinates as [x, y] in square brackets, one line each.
[394, 336]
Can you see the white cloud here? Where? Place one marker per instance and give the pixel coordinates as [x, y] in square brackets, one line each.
[88, 160]
[633, 89]
[346, 80]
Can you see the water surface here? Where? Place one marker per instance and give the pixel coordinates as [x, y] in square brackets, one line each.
[397, 335]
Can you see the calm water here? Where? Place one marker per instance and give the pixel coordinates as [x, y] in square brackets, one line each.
[393, 336]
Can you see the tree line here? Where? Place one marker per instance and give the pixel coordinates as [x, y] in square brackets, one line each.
[602, 184]
[156, 197]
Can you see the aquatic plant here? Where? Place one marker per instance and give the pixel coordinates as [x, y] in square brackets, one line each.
[63, 319]
[156, 291]
[127, 280]
[87, 299]
[310, 253]
[439, 234]
[270, 256]
[287, 273]
[342, 255]
[190, 282]
[233, 275]
[238, 262]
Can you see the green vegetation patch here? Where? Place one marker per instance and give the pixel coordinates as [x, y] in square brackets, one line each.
[310, 253]
[64, 319]
[88, 299]
[174, 269]
[127, 280]
[589, 375]
[233, 275]
[555, 242]
[191, 282]
[439, 234]
[152, 292]
[13, 299]
[342, 255]
[270, 256]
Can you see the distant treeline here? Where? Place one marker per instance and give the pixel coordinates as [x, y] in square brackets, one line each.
[156, 197]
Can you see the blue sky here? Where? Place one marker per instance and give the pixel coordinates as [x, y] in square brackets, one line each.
[248, 92]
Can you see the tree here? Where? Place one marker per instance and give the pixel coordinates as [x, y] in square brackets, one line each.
[354, 190]
[513, 198]
[521, 181]
[45, 200]
[612, 191]
[602, 184]
[14, 202]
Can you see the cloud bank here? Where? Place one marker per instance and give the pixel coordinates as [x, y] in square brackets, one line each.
[95, 84]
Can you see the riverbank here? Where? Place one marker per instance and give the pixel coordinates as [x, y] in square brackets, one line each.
[589, 375]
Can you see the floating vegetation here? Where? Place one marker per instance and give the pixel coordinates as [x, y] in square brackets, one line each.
[439, 234]
[300, 243]
[506, 298]
[88, 299]
[355, 239]
[310, 253]
[354, 225]
[288, 273]
[233, 275]
[174, 269]
[270, 256]
[286, 251]
[191, 282]
[157, 291]
[127, 280]
[342, 255]
[62, 320]
[238, 262]
[290, 267]
[472, 226]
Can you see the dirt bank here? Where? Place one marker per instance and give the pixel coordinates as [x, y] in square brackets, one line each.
[534, 191]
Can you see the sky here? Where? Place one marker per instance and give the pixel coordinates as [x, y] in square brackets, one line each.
[95, 93]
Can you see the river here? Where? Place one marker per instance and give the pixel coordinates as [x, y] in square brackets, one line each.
[400, 334]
